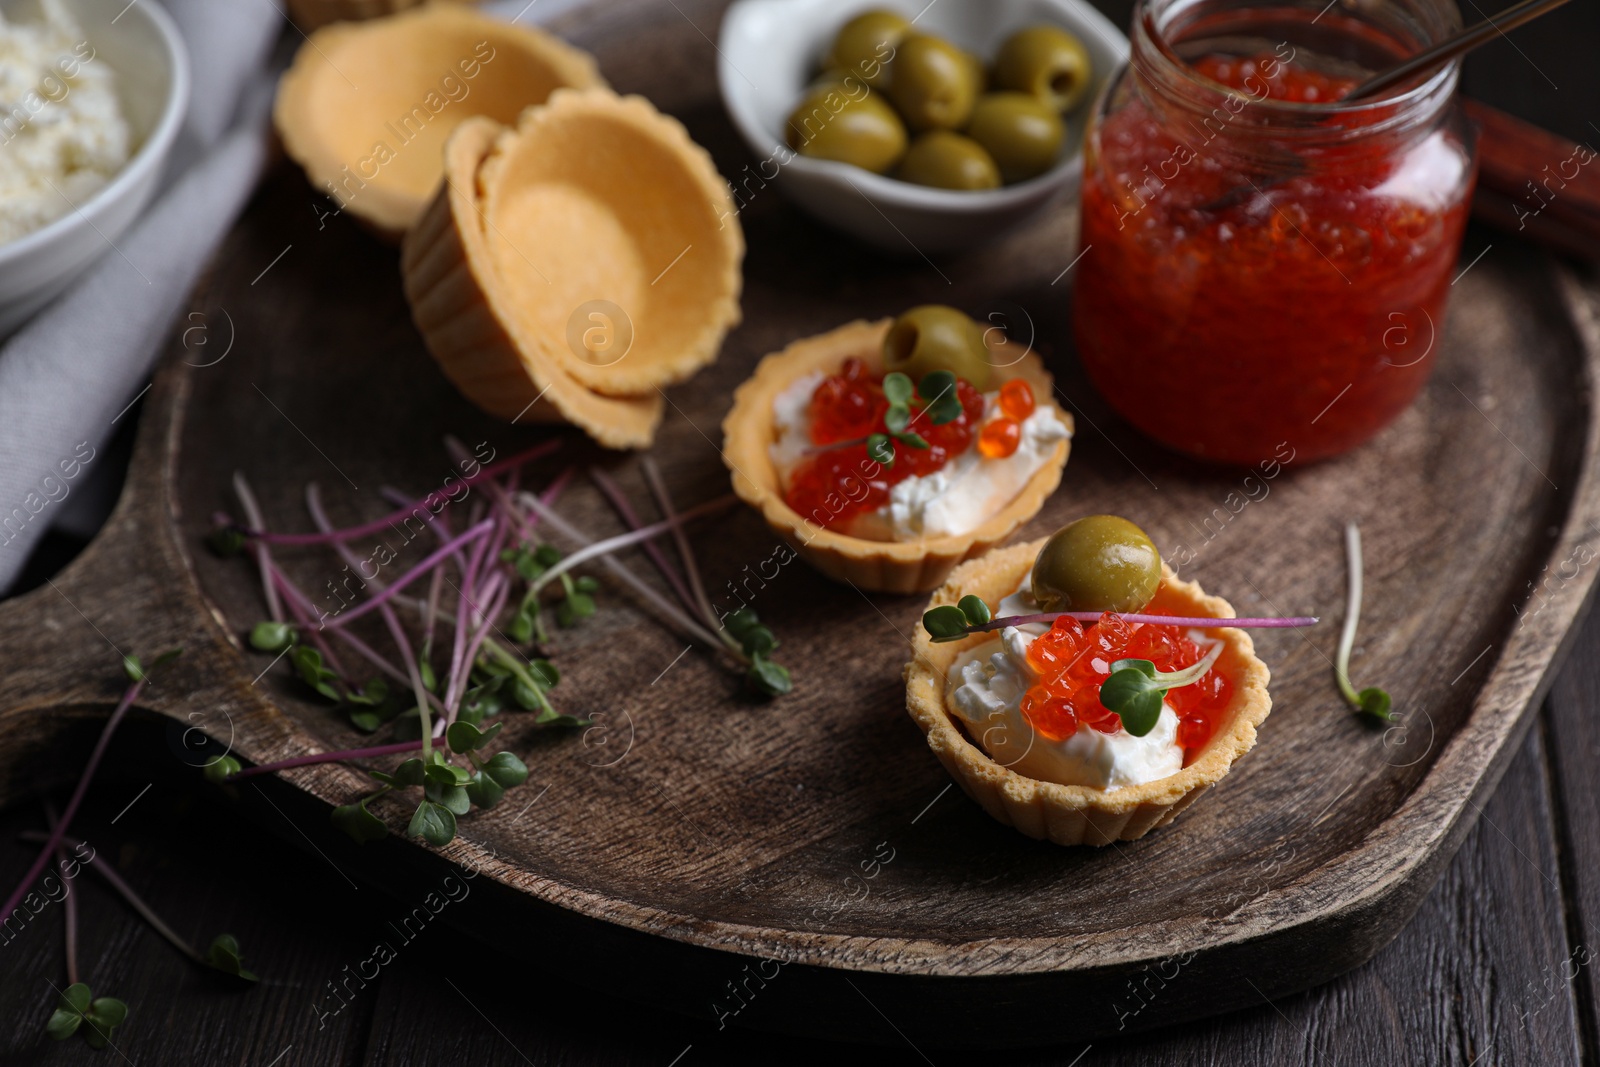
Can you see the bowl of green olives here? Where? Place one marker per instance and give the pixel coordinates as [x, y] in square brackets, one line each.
[915, 127]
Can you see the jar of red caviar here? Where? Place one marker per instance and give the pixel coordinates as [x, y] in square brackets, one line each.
[1262, 263]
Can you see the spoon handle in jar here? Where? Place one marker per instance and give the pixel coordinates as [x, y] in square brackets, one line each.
[1460, 44]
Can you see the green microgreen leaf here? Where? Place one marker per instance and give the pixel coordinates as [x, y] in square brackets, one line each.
[544, 672]
[947, 622]
[897, 388]
[105, 1014]
[552, 718]
[270, 636]
[372, 694]
[575, 607]
[224, 956]
[434, 823]
[412, 772]
[897, 418]
[974, 609]
[218, 770]
[453, 798]
[69, 1013]
[226, 542]
[547, 556]
[1375, 702]
[430, 680]
[359, 823]
[520, 628]
[505, 770]
[464, 736]
[938, 391]
[770, 678]
[308, 662]
[1136, 690]
[880, 449]
[912, 440]
[133, 668]
[437, 770]
[485, 791]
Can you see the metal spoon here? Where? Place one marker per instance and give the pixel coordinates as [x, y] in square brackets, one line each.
[1443, 52]
[1451, 47]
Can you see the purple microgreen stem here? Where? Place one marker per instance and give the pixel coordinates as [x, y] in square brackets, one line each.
[328, 757]
[474, 534]
[53, 842]
[71, 901]
[252, 515]
[620, 541]
[125, 891]
[675, 615]
[658, 487]
[624, 509]
[257, 531]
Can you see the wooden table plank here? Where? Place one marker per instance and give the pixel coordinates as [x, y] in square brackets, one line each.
[184, 848]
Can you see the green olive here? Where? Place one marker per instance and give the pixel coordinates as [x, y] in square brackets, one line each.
[932, 82]
[1047, 62]
[949, 161]
[861, 129]
[935, 337]
[1098, 563]
[865, 44]
[1020, 131]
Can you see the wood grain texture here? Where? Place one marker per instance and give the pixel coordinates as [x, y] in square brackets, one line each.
[714, 841]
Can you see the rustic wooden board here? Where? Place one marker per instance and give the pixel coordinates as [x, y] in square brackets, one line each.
[725, 824]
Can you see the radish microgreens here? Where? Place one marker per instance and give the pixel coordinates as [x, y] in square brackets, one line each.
[944, 406]
[1372, 701]
[1136, 691]
[480, 651]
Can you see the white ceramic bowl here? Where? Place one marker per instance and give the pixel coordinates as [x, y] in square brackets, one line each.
[141, 43]
[769, 51]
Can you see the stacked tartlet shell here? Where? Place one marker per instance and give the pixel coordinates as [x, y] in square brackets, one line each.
[496, 321]
[882, 566]
[1069, 814]
[357, 87]
[314, 14]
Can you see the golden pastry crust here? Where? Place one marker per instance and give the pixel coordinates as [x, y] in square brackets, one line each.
[444, 262]
[1073, 814]
[367, 107]
[884, 566]
[596, 197]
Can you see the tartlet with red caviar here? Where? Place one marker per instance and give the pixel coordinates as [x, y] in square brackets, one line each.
[1020, 714]
[888, 452]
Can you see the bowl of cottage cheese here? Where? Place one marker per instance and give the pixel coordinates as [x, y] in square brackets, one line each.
[92, 93]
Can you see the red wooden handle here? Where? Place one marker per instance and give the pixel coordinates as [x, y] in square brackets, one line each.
[1536, 184]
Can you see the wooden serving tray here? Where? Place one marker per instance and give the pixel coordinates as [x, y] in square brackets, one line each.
[704, 833]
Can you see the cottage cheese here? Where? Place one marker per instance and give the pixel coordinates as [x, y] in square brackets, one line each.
[955, 499]
[62, 134]
[986, 685]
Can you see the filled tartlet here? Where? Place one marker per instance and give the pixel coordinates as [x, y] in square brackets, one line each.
[888, 452]
[1049, 688]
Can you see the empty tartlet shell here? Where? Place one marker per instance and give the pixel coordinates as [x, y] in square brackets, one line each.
[449, 283]
[313, 14]
[1072, 814]
[660, 235]
[882, 566]
[352, 82]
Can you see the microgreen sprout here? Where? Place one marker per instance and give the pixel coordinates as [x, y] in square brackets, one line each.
[481, 613]
[939, 403]
[1371, 701]
[1136, 690]
[79, 1008]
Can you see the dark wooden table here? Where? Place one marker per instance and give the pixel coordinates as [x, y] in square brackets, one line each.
[1494, 969]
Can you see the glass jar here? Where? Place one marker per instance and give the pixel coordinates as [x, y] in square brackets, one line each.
[1264, 265]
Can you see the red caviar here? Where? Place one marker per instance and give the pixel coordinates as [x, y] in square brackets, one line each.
[1253, 278]
[1072, 662]
[1000, 438]
[841, 481]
